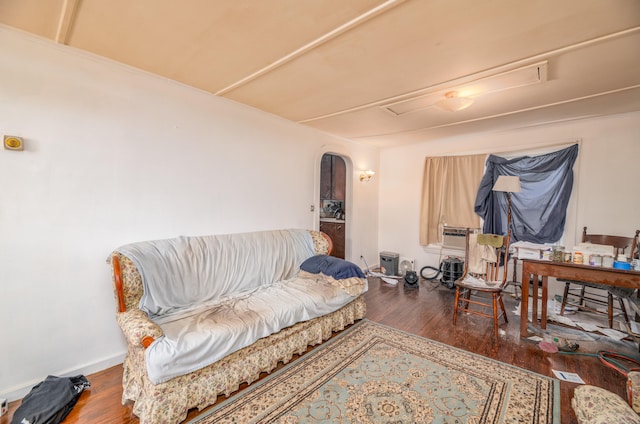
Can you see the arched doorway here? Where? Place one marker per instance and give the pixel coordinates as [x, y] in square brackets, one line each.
[333, 189]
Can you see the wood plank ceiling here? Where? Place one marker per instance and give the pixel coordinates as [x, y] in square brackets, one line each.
[370, 70]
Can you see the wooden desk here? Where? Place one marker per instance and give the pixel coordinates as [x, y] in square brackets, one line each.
[565, 270]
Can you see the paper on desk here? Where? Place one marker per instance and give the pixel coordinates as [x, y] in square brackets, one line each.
[568, 376]
[594, 249]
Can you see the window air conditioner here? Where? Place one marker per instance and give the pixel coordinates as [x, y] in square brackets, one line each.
[454, 237]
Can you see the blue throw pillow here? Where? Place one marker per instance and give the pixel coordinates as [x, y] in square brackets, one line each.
[329, 265]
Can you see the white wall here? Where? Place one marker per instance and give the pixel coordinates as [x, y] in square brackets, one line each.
[605, 196]
[114, 155]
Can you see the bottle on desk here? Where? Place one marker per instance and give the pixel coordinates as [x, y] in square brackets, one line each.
[607, 261]
[595, 260]
[577, 258]
[557, 254]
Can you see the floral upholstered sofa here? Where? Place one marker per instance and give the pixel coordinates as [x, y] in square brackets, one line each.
[202, 315]
[595, 405]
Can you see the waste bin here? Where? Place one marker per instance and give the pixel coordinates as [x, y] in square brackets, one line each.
[389, 263]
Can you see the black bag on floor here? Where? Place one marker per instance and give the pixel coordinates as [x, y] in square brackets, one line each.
[51, 400]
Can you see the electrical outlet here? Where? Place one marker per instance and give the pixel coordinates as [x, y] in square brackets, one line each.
[312, 208]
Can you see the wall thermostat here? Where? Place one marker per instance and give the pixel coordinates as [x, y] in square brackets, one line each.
[13, 143]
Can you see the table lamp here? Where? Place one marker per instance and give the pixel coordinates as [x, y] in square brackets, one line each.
[508, 184]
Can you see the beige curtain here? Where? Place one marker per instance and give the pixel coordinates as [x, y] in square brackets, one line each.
[449, 188]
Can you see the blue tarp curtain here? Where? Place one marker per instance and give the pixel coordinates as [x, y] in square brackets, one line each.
[539, 210]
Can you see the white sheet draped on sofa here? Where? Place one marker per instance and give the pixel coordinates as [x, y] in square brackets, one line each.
[184, 272]
[199, 340]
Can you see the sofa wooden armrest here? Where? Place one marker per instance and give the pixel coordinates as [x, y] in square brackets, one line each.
[117, 283]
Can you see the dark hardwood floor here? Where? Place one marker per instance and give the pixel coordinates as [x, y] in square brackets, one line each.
[426, 311]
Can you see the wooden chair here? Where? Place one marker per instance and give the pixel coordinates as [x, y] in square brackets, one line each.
[482, 277]
[627, 245]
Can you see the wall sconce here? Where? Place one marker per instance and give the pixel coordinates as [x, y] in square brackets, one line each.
[365, 176]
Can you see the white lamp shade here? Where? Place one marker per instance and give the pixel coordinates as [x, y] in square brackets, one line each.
[509, 184]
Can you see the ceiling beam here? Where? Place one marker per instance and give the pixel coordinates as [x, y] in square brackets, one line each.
[65, 22]
[387, 5]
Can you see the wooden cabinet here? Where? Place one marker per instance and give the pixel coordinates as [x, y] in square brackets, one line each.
[333, 178]
[335, 230]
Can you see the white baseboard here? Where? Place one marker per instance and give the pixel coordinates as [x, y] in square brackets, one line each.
[18, 392]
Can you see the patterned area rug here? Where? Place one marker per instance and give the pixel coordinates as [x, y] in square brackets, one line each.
[371, 373]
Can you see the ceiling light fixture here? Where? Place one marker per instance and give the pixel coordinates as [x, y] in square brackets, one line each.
[470, 87]
[451, 102]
